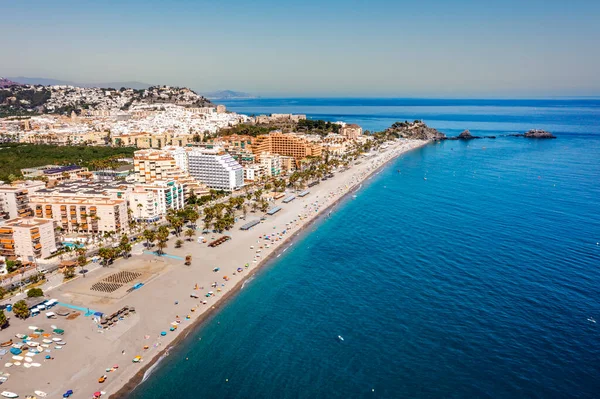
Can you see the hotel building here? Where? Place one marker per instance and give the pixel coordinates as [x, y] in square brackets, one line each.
[14, 199]
[82, 213]
[27, 238]
[288, 144]
[215, 168]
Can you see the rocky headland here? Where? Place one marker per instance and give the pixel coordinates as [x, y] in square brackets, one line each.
[416, 130]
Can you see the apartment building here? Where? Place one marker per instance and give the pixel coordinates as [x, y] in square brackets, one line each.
[153, 140]
[83, 213]
[152, 165]
[215, 168]
[143, 204]
[253, 173]
[351, 131]
[288, 144]
[180, 156]
[55, 172]
[271, 163]
[27, 238]
[14, 198]
[167, 194]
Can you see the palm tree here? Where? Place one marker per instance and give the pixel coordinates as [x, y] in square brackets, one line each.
[125, 245]
[244, 210]
[178, 243]
[150, 236]
[189, 233]
[140, 207]
[162, 244]
[106, 254]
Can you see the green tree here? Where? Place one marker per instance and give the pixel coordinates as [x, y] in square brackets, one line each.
[21, 310]
[3, 319]
[178, 243]
[106, 254]
[125, 245]
[35, 292]
[150, 236]
[68, 273]
[2, 292]
[189, 233]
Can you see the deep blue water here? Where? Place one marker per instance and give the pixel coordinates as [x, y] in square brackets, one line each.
[477, 282]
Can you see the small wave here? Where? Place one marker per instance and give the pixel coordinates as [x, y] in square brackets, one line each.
[149, 372]
[246, 282]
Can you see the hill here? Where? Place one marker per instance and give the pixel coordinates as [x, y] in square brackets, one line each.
[55, 82]
[30, 100]
[228, 95]
[4, 82]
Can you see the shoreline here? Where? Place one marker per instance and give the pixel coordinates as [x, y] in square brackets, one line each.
[137, 378]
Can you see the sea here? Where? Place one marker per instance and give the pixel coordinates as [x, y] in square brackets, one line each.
[464, 269]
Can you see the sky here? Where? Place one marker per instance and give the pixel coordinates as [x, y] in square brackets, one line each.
[328, 48]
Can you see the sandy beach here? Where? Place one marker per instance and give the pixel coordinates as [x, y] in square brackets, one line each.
[164, 301]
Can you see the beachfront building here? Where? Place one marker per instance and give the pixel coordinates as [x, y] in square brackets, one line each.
[351, 131]
[215, 168]
[27, 238]
[271, 163]
[167, 194]
[288, 144]
[84, 213]
[255, 172]
[14, 198]
[143, 204]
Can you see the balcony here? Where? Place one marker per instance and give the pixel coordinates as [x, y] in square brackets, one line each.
[35, 236]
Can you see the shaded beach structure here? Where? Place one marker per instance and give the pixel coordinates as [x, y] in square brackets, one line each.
[219, 241]
[115, 281]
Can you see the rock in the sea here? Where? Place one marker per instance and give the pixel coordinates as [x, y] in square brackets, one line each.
[539, 134]
[466, 135]
[416, 130]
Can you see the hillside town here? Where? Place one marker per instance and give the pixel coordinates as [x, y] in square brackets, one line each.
[185, 157]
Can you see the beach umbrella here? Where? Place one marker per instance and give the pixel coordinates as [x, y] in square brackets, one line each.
[97, 394]
[163, 333]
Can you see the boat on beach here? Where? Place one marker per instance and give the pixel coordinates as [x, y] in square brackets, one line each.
[8, 394]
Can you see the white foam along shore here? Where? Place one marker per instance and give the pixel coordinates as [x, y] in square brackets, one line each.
[165, 297]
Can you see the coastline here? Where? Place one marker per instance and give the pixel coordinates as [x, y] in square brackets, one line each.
[137, 378]
[165, 311]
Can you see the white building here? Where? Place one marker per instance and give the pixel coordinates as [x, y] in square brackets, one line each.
[271, 162]
[254, 172]
[143, 204]
[168, 194]
[215, 168]
[180, 156]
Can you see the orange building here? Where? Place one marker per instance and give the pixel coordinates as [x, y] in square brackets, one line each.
[288, 144]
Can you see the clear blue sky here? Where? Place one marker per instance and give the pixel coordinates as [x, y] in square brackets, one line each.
[447, 48]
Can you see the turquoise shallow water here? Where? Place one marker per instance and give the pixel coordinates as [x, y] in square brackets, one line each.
[477, 282]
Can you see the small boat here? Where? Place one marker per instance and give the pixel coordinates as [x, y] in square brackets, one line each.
[8, 394]
[41, 394]
[7, 343]
[340, 338]
[591, 319]
[424, 178]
